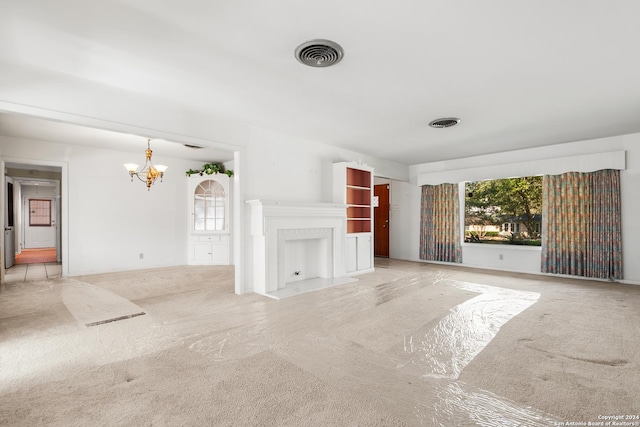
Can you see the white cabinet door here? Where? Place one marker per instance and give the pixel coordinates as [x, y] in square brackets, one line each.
[358, 252]
[364, 251]
[202, 253]
[220, 253]
[352, 254]
[210, 250]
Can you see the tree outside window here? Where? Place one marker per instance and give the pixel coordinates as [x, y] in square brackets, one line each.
[507, 211]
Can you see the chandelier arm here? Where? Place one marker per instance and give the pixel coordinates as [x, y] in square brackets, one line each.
[137, 175]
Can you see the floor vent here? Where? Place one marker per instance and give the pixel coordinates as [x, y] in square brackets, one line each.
[444, 123]
[115, 319]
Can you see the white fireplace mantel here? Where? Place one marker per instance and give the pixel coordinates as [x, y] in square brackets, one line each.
[273, 223]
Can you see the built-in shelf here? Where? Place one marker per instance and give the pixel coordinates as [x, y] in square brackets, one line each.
[358, 199]
[358, 196]
[363, 212]
[358, 178]
[353, 186]
[357, 226]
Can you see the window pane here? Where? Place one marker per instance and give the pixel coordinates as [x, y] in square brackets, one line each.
[506, 211]
[198, 214]
[40, 213]
[209, 206]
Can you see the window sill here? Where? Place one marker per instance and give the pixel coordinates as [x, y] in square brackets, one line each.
[499, 247]
[210, 233]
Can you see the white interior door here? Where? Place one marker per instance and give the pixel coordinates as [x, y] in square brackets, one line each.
[39, 222]
[9, 226]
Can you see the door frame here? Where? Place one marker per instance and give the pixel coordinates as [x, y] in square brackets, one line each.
[62, 208]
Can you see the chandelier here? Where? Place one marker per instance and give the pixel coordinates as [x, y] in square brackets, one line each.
[149, 173]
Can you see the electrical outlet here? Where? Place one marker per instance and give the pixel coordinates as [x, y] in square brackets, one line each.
[500, 256]
[142, 255]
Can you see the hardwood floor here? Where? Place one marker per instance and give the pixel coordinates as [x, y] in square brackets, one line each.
[33, 256]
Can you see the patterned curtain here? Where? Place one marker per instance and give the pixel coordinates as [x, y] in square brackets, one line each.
[440, 223]
[581, 227]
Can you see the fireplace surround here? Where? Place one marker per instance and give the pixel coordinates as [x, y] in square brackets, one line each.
[295, 242]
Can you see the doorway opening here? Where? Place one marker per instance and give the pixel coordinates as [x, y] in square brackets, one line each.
[32, 234]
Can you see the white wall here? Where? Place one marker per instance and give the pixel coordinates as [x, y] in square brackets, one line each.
[111, 219]
[279, 167]
[405, 203]
[521, 259]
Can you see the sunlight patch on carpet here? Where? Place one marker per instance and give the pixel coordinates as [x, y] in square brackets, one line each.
[445, 350]
[91, 305]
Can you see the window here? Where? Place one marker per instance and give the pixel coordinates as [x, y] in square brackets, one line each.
[39, 213]
[504, 211]
[209, 206]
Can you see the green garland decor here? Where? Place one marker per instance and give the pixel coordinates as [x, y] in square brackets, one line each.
[210, 169]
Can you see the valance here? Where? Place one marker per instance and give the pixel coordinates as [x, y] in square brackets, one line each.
[552, 166]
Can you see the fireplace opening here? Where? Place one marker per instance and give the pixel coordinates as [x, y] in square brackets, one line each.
[304, 253]
[305, 259]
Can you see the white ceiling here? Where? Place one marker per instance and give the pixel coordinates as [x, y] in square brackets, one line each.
[23, 126]
[518, 74]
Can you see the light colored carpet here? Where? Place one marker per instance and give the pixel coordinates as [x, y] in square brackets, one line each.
[577, 355]
[174, 388]
[410, 344]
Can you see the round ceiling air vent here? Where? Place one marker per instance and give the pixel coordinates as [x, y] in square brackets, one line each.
[444, 123]
[319, 53]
